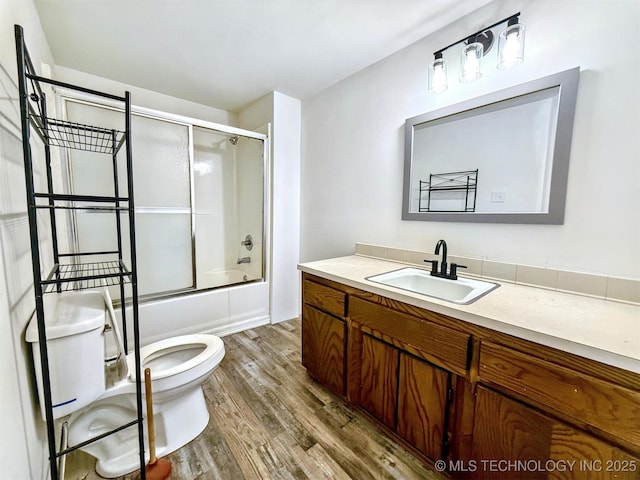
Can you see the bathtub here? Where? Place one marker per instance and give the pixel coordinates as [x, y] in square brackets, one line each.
[221, 311]
[219, 278]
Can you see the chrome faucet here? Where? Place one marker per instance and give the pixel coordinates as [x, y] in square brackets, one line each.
[453, 273]
[244, 260]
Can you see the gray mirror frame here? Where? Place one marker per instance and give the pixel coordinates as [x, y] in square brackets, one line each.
[567, 81]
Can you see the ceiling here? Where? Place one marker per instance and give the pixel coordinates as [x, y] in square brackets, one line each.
[228, 53]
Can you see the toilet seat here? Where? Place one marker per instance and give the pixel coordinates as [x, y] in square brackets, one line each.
[213, 352]
[210, 356]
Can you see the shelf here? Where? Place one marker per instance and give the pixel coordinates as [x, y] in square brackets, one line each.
[79, 270]
[446, 186]
[80, 276]
[60, 133]
[89, 199]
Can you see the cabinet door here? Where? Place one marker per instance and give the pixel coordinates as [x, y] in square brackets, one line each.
[508, 431]
[323, 348]
[379, 380]
[422, 403]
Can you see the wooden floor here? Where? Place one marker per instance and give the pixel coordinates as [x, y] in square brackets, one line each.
[269, 420]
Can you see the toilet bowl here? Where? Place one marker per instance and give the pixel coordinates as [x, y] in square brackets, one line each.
[178, 366]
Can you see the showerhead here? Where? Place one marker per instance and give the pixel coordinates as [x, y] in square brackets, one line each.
[234, 140]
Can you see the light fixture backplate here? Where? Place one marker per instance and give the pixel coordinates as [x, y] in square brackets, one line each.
[485, 38]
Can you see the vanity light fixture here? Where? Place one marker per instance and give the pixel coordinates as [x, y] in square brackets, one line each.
[510, 53]
[438, 78]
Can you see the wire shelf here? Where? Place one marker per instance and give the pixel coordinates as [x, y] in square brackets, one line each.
[79, 276]
[457, 188]
[77, 136]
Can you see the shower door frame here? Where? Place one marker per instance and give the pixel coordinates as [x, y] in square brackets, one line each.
[64, 96]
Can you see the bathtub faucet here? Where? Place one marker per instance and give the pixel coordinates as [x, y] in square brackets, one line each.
[244, 260]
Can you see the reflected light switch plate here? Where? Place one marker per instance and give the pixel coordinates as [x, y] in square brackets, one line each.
[498, 197]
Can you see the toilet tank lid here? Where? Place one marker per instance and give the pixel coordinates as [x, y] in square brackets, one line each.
[69, 313]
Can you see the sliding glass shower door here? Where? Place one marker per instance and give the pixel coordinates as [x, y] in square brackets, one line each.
[162, 189]
[199, 201]
[228, 207]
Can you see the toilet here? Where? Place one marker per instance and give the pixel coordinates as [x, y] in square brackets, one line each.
[76, 349]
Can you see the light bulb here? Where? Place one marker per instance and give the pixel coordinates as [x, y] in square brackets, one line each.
[511, 46]
[438, 78]
[471, 65]
[470, 62]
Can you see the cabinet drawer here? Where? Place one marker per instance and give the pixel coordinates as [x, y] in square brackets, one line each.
[436, 343]
[324, 298]
[604, 405]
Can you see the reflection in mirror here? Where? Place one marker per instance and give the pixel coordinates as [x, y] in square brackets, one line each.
[500, 158]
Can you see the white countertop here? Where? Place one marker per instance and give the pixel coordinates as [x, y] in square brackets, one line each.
[602, 330]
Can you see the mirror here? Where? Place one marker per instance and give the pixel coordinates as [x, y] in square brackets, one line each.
[499, 158]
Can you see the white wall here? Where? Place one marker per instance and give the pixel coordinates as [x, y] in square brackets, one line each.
[285, 229]
[284, 113]
[141, 97]
[352, 162]
[23, 441]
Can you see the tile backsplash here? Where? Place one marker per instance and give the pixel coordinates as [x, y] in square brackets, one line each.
[600, 286]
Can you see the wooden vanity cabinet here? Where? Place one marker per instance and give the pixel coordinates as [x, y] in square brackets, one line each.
[423, 396]
[324, 334]
[510, 431]
[379, 380]
[323, 340]
[455, 391]
[405, 393]
[399, 381]
[519, 398]
[600, 404]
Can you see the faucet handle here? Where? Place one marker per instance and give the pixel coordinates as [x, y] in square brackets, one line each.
[434, 266]
[453, 273]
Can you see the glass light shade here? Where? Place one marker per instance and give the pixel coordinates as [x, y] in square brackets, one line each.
[511, 46]
[470, 59]
[438, 78]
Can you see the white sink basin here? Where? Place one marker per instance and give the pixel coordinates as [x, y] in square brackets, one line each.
[461, 291]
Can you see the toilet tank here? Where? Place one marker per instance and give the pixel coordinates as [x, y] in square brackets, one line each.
[75, 346]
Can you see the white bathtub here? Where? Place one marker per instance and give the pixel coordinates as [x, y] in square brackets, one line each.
[219, 278]
[221, 311]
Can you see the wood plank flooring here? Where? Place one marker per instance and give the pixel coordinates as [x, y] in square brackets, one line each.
[269, 420]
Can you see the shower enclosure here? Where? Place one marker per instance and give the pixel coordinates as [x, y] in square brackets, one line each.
[199, 206]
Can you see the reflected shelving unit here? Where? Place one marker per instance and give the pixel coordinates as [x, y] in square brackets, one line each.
[459, 188]
[63, 269]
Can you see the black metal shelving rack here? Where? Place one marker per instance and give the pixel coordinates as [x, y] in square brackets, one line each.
[76, 270]
[465, 182]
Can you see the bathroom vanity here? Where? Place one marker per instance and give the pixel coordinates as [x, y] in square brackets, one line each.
[523, 383]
